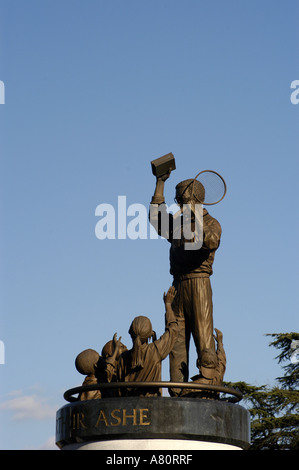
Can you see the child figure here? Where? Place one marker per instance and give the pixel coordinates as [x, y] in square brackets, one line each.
[86, 363]
[106, 371]
[212, 367]
[142, 363]
[98, 369]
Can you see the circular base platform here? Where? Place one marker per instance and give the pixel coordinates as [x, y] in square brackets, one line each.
[152, 423]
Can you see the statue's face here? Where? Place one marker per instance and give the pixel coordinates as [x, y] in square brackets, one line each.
[183, 197]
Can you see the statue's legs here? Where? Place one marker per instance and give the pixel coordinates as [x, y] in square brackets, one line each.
[179, 356]
[194, 308]
[199, 311]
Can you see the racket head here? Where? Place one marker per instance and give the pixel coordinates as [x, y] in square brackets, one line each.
[214, 186]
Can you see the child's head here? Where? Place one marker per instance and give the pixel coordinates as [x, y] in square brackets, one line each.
[140, 331]
[208, 363]
[141, 327]
[86, 361]
[108, 349]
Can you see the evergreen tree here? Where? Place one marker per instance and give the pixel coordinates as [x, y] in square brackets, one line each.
[275, 410]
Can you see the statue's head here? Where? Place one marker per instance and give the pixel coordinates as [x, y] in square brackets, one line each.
[141, 327]
[189, 191]
[108, 349]
[141, 331]
[86, 361]
[207, 363]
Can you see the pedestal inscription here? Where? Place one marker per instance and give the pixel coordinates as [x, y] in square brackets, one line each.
[153, 418]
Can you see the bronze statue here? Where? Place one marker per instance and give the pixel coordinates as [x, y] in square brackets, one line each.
[191, 270]
[99, 369]
[142, 363]
[86, 363]
[212, 367]
[188, 304]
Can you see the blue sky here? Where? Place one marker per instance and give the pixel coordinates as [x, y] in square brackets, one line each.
[94, 91]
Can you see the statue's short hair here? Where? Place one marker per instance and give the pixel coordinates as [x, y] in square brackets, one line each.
[85, 361]
[190, 190]
[108, 349]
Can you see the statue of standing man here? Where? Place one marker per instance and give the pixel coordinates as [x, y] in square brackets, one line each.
[191, 271]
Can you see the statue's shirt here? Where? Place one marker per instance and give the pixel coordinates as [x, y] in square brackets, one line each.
[186, 263]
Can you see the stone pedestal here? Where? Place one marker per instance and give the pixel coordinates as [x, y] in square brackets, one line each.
[152, 423]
